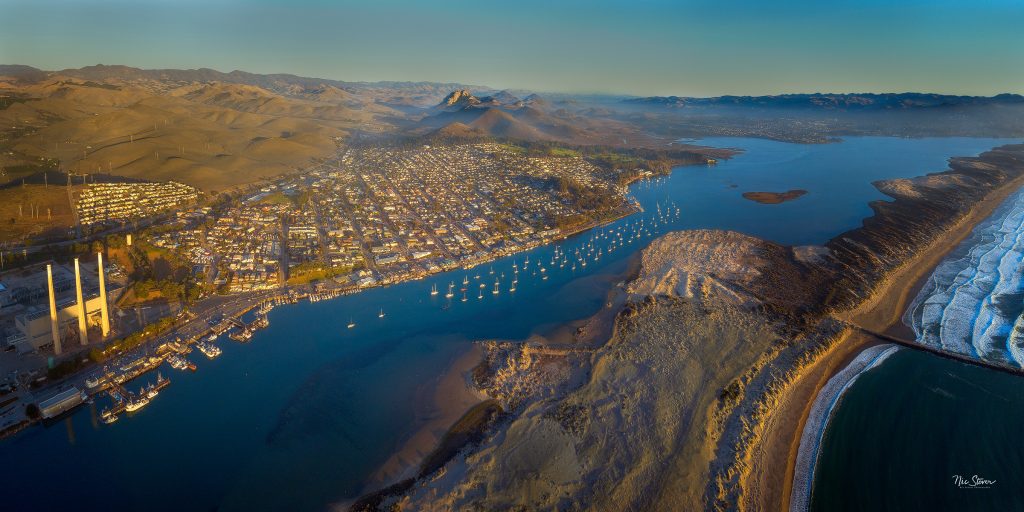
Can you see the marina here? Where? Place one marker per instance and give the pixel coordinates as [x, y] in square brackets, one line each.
[307, 389]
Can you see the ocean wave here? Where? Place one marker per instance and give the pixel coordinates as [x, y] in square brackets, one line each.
[973, 301]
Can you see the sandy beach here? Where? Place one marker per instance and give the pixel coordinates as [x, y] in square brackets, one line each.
[444, 403]
[771, 490]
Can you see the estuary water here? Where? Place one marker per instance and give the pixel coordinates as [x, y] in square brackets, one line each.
[302, 415]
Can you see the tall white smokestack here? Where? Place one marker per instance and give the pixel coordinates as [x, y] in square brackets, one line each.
[104, 314]
[83, 333]
[54, 330]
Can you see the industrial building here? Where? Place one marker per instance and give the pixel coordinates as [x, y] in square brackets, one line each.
[55, 307]
[61, 402]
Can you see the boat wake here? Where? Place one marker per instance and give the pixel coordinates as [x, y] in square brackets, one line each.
[974, 301]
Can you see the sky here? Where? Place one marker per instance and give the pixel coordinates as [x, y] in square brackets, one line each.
[641, 47]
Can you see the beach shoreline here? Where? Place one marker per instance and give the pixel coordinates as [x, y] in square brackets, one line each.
[882, 312]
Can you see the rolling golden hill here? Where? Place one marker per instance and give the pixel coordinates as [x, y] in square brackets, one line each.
[213, 136]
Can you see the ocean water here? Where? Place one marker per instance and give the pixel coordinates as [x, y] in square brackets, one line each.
[904, 433]
[904, 430]
[973, 303]
[302, 415]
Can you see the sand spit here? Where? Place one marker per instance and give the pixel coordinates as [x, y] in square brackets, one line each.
[697, 399]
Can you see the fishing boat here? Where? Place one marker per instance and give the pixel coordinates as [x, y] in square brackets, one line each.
[210, 350]
[108, 417]
[135, 403]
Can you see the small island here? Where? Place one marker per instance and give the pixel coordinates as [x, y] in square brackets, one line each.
[774, 197]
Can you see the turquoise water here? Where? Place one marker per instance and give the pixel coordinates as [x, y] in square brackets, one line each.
[304, 413]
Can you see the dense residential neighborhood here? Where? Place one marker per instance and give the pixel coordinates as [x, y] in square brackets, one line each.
[115, 203]
[383, 214]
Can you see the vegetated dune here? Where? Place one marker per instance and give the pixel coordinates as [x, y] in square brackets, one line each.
[675, 410]
[634, 424]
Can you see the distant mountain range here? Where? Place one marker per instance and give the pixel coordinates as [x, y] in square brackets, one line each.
[413, 93]
[217, 130]
[868, 101]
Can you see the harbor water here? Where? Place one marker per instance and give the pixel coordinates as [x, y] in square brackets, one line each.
[299, 417]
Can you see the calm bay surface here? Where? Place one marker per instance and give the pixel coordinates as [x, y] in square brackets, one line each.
[302, 415]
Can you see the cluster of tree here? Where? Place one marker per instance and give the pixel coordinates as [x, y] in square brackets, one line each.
[571, 222]
[167, 288]
[584, 197]
[131, 341]
[65, 368]
[315, 271]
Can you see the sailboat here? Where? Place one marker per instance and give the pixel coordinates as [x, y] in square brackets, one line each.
[381, 314]
[433, 289]
[450, 294]
[481, 294]
[495, 288]
[463, 295]
[351, 323]
[465, 280]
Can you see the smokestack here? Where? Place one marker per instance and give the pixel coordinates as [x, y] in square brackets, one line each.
[83, 333]
[104, 314]
[54, 330]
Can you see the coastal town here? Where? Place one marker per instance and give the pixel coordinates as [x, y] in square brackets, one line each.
[383, 215]
[371, 216]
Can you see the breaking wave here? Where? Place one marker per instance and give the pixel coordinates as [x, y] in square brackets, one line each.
[973, 303]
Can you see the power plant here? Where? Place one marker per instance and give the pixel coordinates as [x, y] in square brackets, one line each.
[75, 304]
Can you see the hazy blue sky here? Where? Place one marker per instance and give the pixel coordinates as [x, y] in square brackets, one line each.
[699, 47]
